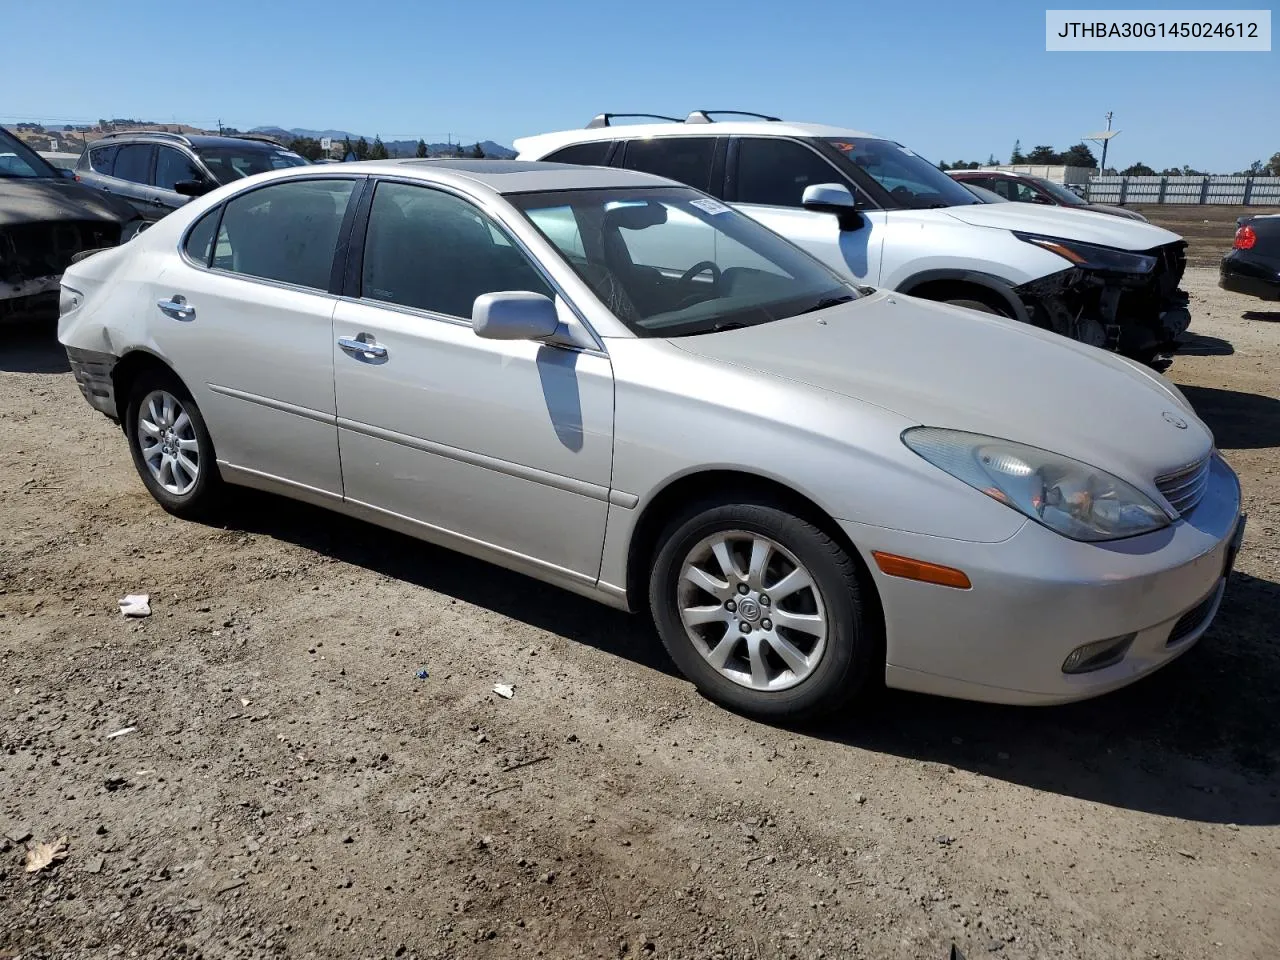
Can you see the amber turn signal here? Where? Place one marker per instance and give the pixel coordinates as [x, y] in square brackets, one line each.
[896, 566]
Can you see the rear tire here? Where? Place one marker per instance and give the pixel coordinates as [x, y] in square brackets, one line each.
[799, 653]
[171, 447]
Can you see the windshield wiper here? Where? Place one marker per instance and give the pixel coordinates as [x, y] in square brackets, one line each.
[826, 302]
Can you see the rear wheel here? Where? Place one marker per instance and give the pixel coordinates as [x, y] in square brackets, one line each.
[762, 611]
[171, 447]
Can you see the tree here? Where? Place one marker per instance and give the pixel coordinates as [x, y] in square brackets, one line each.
[992, 161]
[422, 149]
[1138, 170]
[348, 150]
[1044, 154]
[1080, 156]
[943, 165]
[362, 149]
[1017, 155]
[379, 150]
[308, 147]
[477, 152]
[1273, 165]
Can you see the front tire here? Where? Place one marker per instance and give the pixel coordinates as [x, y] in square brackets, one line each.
[171, 447]
[762, 611]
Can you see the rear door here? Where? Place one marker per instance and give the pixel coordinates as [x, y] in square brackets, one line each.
[245, 318]
[766, 179]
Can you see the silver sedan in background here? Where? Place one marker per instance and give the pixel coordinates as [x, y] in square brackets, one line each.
[623, 387]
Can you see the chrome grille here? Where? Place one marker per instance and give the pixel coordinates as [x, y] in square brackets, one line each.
[1183, 488]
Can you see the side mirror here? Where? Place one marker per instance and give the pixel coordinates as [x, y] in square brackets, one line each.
[514, 315]
[832, 198]
[192, 188]
[67, 172]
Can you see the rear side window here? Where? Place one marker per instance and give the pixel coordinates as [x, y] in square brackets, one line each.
[775, 172]
[200, 240]
[593, 154]
[286, 232]
[133, 163]
[101, 158]
[683, 159]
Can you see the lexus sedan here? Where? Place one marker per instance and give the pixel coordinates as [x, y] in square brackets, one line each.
[625, 388]
[1253, 265]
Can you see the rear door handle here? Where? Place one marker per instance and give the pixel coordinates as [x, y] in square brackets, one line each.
[177, 308]
[365, 348]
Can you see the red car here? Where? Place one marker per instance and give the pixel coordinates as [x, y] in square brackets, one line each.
[1024, 188]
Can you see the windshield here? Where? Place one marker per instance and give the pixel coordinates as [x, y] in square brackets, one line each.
[17, 160]
[671, 262]
[983, 194]
[230, 163]
[910, 179]
[1060, 193]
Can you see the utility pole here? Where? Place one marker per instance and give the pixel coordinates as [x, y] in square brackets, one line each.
[1106, 143]
[1103, 137]
[220, 124]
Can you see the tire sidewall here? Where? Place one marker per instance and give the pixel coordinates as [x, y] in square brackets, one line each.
[197, 499]
[847, 664]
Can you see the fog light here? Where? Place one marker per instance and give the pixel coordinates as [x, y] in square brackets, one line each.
[1096, 655]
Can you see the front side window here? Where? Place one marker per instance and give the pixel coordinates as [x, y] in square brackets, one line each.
[133, 163]
[18, 161]
[231, 163]
[594, 153]
[673, 263]
[775, 172]
[682, 159]
[286, 231]
[909, 179]
[174, 166]
[433, 251]
[101, 159]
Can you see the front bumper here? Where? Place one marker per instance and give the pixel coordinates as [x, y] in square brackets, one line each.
[1037, 596]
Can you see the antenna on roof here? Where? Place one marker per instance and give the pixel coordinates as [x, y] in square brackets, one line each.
[603, 119]
[704, 116]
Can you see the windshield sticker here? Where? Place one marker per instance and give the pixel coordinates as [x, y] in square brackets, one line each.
[707, 205]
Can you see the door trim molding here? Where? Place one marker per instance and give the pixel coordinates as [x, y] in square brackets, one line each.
[283, 406]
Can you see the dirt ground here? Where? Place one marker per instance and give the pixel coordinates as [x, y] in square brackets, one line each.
[288, 785]
[1208, 229]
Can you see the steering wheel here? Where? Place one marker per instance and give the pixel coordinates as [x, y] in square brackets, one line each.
[702, 266]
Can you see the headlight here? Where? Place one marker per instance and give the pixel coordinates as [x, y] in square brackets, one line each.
[1071, 498]
[1089, 256]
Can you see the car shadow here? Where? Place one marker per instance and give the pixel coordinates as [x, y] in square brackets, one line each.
[1239, 421]
[32, 348]
[1199, 345]
[1272, 316]
[453, 574]
[1197, 740]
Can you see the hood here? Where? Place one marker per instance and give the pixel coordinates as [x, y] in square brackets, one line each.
[944, 366]
[30, 200]
[1103, 229]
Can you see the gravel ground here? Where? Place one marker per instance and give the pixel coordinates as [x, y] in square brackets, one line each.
[289, 786]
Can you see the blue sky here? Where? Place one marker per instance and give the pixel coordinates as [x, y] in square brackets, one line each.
[952, 80]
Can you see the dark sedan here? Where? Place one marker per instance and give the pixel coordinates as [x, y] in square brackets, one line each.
[1253, 265]
[1025, 188]
[46, 219]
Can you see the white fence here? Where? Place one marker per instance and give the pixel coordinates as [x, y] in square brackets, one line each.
[1244, 191]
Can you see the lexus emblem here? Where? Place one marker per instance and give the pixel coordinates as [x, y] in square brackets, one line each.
[1174, 419]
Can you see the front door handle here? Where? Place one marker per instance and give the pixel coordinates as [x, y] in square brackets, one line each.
[365, 348]
[177, 308]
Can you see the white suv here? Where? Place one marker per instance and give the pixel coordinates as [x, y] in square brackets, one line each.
[886, 217]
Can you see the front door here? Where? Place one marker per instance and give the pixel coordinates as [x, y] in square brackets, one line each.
[492, 446]
[767, 180]
[247, 316]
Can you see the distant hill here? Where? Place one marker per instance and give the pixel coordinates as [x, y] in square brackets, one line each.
[403, 148]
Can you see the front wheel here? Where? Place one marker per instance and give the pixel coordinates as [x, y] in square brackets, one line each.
[762, 611]
[171, 447]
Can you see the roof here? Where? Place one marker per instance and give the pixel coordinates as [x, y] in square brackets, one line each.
[981, 172]
[541, 145]
[514, 176]
[189, 139]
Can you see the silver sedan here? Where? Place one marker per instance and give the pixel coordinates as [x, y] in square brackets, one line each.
[623, 387]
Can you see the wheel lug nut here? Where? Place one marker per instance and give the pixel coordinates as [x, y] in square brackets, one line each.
[730, 606]
[742, 588]
[766, 624]
[744, 626]
[764, 601]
